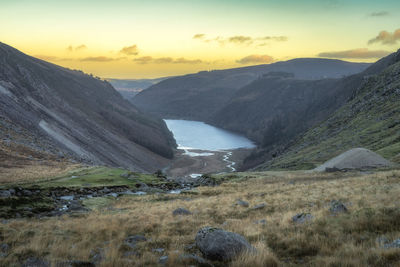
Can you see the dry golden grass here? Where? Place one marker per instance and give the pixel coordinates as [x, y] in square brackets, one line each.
[35, 172]
[343, 240]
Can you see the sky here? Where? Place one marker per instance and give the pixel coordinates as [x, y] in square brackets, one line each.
[146, 39]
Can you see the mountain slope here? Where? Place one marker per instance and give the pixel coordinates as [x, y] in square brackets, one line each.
[370, 119]
[199, 96]
[78, 115]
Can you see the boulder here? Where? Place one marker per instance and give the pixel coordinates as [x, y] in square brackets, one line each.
[5, 194]
[259, 206]
[394, 244]
[132, 240]
[217, 244]
[354, 159]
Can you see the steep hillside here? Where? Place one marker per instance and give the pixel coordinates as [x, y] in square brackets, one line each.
[370, 119]
[199, 96]
[69, 112]
[275, 109]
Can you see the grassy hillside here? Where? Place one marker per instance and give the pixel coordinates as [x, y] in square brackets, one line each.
[353, 238]
[371, 119]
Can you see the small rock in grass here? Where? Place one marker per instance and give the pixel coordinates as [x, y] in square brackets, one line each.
[181, 211]
[262, 222]
[302, 218]
[158, 250]
[259, 206]
[163, 259]
[242, 203]
[132, 240]
[394, 244]
[337, 207]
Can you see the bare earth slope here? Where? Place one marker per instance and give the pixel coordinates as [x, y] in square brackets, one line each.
[75, 114]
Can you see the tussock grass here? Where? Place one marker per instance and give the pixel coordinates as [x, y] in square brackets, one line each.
[348, 239]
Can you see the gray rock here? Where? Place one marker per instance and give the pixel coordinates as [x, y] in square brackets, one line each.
[163, 260]
[242, 203]
[67, 197]
[4, 249]
[132, 240]
[220, 245]
[5, 194]
[125, 175]
[262, 222]
[195, 260]
[112, 195]
[158, 250]
[394, 244]
[35, 262]
[337, 207]
[259, 206]
[181, 211]
[302, 218]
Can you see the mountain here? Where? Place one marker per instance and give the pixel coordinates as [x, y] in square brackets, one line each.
[68, 112]
[370, 119]
[128, 88]
[199, 96]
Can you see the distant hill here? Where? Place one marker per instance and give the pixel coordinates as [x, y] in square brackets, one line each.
[71, 113]
[128, 88]
[199, 96]
[370, 119]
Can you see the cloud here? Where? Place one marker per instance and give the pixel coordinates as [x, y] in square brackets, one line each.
[166, 60]
[199, 36]
[255, 59]
[76, 48]
[130, 50]
[240, 39]
[386, 38]
[379, 14]
[360, 53]
[98, 59]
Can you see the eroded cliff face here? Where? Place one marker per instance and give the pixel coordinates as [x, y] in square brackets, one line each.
[69, 112]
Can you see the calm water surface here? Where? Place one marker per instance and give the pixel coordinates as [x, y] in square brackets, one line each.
[199, 135]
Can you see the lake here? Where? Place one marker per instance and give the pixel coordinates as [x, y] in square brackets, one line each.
[202, 136]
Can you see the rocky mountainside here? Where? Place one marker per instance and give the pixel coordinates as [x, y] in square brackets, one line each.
[370, 119]
[199, 96]
[69, 113]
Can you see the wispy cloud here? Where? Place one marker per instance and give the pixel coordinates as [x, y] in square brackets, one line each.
[256, 59]
[199, 36]
[99, 59]
[76, 48]
[379, 14]
[241, 39]
[130, 50]
[166, 60]
[386, 38]
[360, 53]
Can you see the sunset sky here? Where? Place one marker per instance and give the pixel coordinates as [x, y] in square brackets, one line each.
[143, 39]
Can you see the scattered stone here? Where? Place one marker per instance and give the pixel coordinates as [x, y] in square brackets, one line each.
[112, 195]
[125, 175]
[67, 197]
[302, 218]
[163, 260]
[394, 244]
[189, 259]
[181, 211]
[132, 240]
[242, 203]
[220, 245]
[4, 249]
[35, 262]
[158, 250]
[5, 194]
[259, 206]
[337, 207]
[262, 222]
